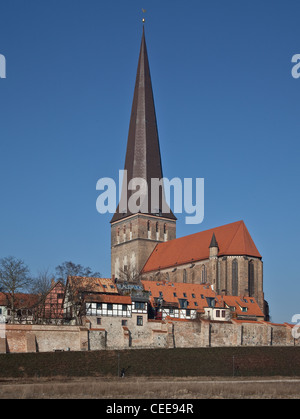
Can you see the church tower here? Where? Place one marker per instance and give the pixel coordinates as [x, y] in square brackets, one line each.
[142, 218]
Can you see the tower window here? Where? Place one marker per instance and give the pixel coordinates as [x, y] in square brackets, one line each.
[165, 232]
[157, 231]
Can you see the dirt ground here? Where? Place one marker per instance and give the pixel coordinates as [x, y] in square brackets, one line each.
[151, 388]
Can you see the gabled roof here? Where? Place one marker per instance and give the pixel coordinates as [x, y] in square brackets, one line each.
[91, 284]
[232, 239]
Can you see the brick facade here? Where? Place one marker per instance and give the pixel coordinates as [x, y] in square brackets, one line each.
[134, 238]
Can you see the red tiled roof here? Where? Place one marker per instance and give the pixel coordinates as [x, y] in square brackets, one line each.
[193, 293]
[105, 298]
[22, 300]
[171, 292]
[233, 239]
[239, 302]
[90, 284]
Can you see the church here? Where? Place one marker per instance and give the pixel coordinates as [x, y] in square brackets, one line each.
[144, 244]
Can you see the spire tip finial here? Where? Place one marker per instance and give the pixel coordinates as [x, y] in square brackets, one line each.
[144, 11]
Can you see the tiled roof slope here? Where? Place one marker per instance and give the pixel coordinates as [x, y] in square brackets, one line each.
[106, 298]
[21, 300]
[90, 284]
[171, 292]
[233, 239]
[193, 293]
[243, 302]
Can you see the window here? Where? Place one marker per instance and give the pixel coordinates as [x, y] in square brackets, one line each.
[203, 274]
[196, 304]
[124, 322]
[139, 306]
[160, 294]
[188, 312]
[217, 313]
[223, 313]
[124, 307]
[109, 306]
[174, 293]
[251, 278]
[184, 294]
[244, 309]
[98, 320]
[99, 306]
[139, 321]
[193, 295]
[184, 276]
[235, 277]
[202, 296]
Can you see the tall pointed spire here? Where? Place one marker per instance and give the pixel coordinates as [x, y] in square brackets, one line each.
[143, 159]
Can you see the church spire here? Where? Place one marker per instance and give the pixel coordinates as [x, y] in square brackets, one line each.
[143, 159]
[213, 242]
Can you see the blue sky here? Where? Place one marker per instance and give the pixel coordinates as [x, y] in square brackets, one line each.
[227, 108]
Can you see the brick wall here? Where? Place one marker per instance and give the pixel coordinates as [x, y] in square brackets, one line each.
[152, 334]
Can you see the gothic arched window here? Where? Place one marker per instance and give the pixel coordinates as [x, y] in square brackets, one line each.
[234, 277]
[203, 274]
[149, 229]
[251, 278]
[184, 275]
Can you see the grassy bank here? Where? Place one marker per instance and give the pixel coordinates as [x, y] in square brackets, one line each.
[210, 362]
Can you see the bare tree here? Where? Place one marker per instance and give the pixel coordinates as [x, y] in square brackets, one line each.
[14, 277]
[72, 269]
[41, 286]
[74, 300]
[129, 274]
